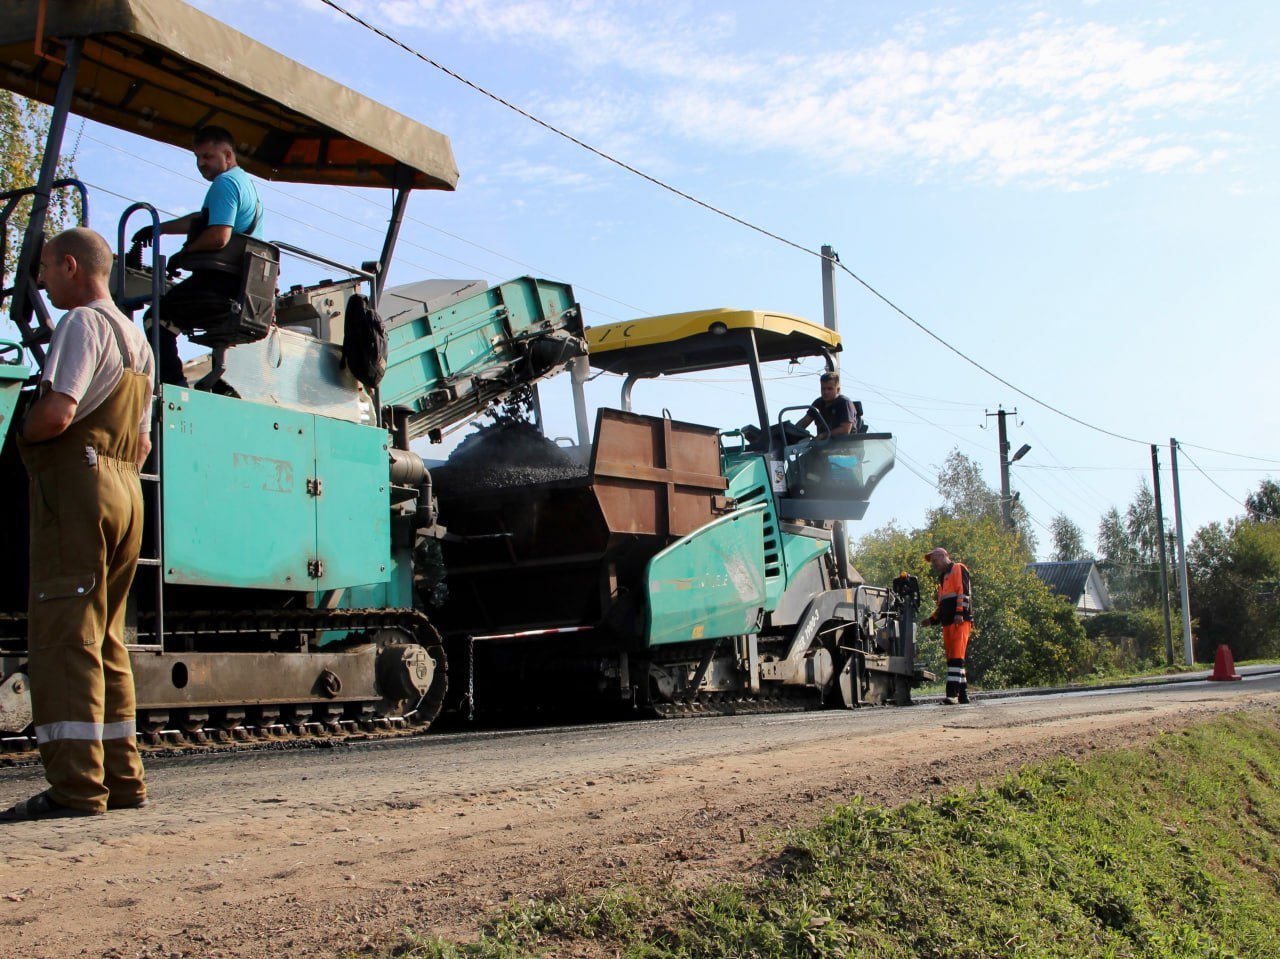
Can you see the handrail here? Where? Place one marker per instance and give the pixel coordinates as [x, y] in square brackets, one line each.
[324, 260]
[127, 304]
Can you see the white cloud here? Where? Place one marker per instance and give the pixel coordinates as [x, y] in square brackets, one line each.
[1040, 101]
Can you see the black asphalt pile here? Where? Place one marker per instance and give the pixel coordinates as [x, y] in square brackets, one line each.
[502, 456]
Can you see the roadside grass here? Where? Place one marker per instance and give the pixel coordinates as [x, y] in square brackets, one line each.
[1165, 851]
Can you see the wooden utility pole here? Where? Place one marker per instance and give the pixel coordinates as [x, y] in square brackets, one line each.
[1007, 497]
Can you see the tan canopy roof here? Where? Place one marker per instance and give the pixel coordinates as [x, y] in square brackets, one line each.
[161, 69]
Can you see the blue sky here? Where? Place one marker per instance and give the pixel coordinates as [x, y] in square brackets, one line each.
[1080, 196]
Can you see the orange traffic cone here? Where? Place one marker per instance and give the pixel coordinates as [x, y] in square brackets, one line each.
[1224, 666]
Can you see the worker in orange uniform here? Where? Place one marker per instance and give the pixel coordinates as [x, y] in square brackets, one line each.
[82, 442]
[955, 614]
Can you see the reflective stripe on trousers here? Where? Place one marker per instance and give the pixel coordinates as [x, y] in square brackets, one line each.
[89, 732]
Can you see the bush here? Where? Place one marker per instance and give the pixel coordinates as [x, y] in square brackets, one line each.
[1127, 641]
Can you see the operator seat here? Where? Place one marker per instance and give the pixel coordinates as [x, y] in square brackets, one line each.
[220, 321]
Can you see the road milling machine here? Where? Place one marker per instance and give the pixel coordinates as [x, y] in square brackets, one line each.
[286, 513]
[671, 567]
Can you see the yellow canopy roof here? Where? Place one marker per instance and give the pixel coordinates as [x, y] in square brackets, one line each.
[704, 340]
[161, 69]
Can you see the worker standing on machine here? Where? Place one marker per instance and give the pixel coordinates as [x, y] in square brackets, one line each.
[231, 206]
[83, 441]
[832, 409]
[954, 612]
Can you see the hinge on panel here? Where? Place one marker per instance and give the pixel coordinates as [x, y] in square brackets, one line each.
[315, 486]
[315, 568]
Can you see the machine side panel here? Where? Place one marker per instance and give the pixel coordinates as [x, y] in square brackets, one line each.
[237, 509]
[749, 485]
[800, 551]
[709, 584]
[12, 376]
[353, 504]
[295, 370]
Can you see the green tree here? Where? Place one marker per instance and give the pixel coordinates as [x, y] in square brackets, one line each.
[1068, 540]
[24, 125]
[1264, 502]
[964, 490]
[1235, 583]
[966, 494]
[1129, 551]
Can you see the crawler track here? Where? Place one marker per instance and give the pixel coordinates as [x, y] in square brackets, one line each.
[223, 727]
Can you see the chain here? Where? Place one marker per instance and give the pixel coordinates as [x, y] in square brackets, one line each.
[471, 679]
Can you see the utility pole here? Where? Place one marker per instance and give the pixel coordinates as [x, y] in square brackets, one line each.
[829, 260]
[1182, 557]
[1164, 563]
[840, 528]
[1006, 496]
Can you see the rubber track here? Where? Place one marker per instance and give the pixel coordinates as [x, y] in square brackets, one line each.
[166, 741]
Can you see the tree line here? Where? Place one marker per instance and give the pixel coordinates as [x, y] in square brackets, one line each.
[1025, 635]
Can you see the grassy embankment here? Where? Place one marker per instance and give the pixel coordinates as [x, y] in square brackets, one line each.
[1169, 850]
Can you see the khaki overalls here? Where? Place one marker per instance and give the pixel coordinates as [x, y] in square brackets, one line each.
[86, 529]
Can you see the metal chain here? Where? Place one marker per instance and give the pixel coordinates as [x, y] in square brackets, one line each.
[471, 679]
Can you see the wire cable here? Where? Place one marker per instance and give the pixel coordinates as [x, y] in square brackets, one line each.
[332, 213]
[1243, 456]
[663, 185]
[1244, 506]
[511, 259]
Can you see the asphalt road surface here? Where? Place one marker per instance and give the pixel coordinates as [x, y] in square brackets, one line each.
[309, 852]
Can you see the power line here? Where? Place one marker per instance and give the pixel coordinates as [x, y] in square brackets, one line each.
[663, 185]
[536, 270]
[1243, 506]
[916, 467]
[330, 212]
[1243, 456]
[723, 213]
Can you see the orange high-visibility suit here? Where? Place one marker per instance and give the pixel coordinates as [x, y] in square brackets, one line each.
[955, 612]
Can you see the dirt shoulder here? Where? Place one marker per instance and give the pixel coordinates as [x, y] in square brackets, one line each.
[303, 855]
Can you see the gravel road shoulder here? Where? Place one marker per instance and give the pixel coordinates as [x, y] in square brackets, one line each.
[295, 855]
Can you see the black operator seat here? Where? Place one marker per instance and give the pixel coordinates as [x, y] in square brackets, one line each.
[217, 320]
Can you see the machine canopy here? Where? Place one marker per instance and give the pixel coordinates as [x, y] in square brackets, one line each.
[161, 69]
[704, 340]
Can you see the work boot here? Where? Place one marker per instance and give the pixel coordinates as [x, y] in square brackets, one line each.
[41, 806]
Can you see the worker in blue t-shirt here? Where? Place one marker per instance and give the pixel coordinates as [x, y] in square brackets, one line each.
[231, 206]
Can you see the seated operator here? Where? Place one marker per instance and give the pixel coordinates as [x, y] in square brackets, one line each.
[832, 409]
[231, 206]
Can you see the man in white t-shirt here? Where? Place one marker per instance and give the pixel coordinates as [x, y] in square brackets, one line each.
[83, 441]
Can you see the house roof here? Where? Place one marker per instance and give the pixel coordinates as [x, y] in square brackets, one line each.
[1065, 579]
